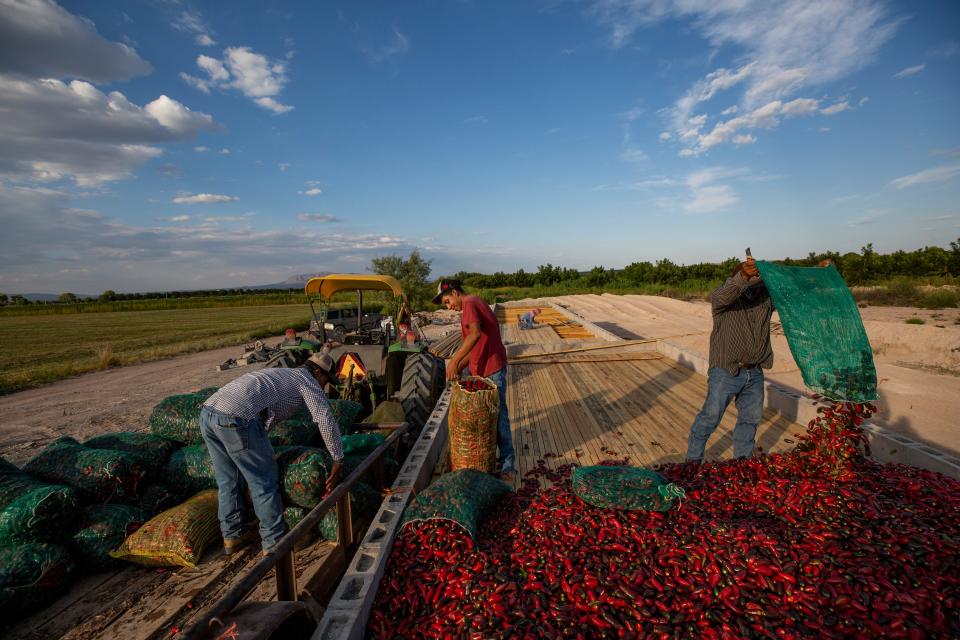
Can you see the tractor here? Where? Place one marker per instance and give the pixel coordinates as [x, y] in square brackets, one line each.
[378, 357]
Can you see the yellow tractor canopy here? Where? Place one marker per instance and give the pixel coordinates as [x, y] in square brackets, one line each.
[327, 286]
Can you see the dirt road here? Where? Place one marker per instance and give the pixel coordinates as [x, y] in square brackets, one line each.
[118, 399]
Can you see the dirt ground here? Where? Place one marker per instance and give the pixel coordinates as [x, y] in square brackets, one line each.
[918, 366]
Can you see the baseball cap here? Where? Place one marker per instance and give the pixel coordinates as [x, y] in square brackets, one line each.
[324, 361]
[444, 286]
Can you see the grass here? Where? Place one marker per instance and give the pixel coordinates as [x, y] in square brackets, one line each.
[43, 348]
[915, 321]
[908, 292]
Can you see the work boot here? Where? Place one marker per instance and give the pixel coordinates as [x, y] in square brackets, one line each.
[232, 545]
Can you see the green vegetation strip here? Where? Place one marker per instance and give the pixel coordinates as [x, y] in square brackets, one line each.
[45, 348]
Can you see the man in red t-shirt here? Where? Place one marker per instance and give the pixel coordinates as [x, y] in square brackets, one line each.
[483, 350]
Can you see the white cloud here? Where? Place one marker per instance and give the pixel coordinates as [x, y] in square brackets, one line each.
[224, 151]
[53, 130]
[910, 71]
[203, 198]
[399, 45]
[40, 39]
[253, 74]
[665, 135]
[476, 120]
[201, 149]
[283, 166]
[313, 191]
[190, 21]
[936, 174]
[742, 139]
[706, 195]
[782, 48]
[835, 108]
[632, 154]
[823, 129]
[317, 217]
[729, 111]
[179, 218]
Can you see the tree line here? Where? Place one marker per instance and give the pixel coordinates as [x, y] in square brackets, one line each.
[863, 268]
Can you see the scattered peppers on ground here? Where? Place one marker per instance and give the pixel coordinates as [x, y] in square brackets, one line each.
[817, 543]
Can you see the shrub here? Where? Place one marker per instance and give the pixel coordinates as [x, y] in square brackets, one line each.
[915, 321]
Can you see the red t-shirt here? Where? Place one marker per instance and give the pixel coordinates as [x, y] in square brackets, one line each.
[488, 355]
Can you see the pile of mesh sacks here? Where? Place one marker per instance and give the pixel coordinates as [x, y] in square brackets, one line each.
[147, 497]
[70, 506]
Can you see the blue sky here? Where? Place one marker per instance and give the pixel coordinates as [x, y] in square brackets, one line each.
[158, 145]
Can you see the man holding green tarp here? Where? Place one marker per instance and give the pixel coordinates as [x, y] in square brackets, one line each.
[740, 350]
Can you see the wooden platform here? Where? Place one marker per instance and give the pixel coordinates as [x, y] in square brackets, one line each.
[610, 404]
[550, 326]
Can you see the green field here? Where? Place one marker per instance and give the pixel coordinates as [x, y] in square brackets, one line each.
[38, 349]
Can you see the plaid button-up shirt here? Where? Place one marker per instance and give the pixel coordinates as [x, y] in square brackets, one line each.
[278, 394]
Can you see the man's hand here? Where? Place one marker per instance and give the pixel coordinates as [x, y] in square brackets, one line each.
[453, 370]
[333, 477]
[748, 269]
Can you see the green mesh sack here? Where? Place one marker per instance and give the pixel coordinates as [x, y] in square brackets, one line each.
[629, 488]
[303, 475]
[98, 475]
[464, 497]
[190, 470]
[99, 530]
[824, 330]
[387, 411]
[176, 537]
[364, 502]
[345, 411]
[390, 466]
[361, 443]
[295, 433]
[153, 450]
[178, 417]
[31, 577]
[157, 497]
[31, 510]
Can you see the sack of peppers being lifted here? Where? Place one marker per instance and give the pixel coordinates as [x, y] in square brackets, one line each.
[472, 423]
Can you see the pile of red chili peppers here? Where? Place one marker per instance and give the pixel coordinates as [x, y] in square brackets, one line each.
[815, 543]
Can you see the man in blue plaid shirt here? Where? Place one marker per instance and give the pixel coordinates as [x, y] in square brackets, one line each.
[234, 422]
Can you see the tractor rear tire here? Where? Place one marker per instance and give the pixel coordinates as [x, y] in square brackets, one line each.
[421, 386]
[286, 359]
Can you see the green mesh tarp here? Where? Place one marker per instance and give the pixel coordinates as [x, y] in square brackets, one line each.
[178, 417]
[344, 411]
[190, 470]
[464, 497]
[98, 475]
[295, 433]
[303, 475]
[629, 488]
[153, 450]
[361, 443]
[823, 327]
[31, 510]
[31, 577]
[99, 530]
[157, 497]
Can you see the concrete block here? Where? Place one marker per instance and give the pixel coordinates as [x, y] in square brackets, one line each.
[340, 624]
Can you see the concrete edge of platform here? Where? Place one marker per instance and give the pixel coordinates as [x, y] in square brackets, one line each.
[346, 615]
[795, 405]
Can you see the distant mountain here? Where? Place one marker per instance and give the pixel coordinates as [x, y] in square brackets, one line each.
[297, 281]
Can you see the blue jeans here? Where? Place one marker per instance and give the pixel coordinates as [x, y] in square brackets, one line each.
[722, 386]
[242, 457]
[508, 458]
